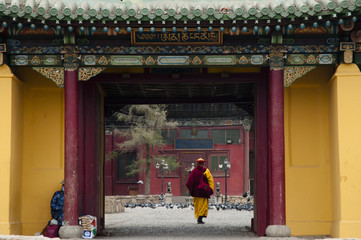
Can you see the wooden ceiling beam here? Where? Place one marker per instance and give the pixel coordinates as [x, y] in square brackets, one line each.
[120, 101]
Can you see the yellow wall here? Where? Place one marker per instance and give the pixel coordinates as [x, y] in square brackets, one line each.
[10, 152]
[308, 187]
[322, 142]
[345, 151]
[43, 152]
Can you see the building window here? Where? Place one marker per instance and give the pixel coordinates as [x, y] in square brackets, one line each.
[222, 135]
[217, 159]
[123, 168]
[193, 133]
[169, 136]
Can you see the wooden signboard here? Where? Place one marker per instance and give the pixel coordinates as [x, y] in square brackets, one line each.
[190, 143]
[179, 37]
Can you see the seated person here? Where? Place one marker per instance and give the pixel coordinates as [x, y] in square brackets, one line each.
[57, 205]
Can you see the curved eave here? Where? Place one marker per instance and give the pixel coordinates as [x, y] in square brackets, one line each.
[231, 12]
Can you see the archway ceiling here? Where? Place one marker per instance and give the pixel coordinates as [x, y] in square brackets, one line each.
[177, 93]
[190, 92]
[113, 12]
[235, 99]
[178, 88]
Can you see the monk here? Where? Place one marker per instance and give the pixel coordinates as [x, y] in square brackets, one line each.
[200, 185]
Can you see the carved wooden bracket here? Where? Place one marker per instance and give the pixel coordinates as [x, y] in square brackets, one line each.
[71, 61]
[290, 74]
[54, 73]
[276, 57]
[57, 73]
[85, 73]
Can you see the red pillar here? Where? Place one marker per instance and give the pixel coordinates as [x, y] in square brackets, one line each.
[71, 148]
[276, 146]
[261, 140]
[246, 158]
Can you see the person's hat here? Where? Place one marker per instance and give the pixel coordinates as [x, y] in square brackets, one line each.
[62, 182]
[200, 160]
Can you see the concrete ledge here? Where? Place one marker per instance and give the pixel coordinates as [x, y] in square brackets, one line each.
[278, 231]
[70, 231]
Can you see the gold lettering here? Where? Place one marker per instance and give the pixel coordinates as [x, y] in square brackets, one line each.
[179, 37]
[174, 37]
[204, 36]
[213, 36]
[185, 37]
[140, 36]
[164, 37]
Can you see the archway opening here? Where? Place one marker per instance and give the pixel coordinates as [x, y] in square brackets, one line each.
[231, 96]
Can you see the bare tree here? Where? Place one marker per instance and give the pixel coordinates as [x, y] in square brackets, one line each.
[143, 134]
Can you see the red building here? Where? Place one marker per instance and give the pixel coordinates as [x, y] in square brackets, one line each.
[216, 138]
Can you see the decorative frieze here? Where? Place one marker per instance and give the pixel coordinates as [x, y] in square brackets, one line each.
[220, 60]
[126, 60]
[174, 60]
[36, 60]
[236, 55]
[311, 59]
[17, 47]
[291, 73]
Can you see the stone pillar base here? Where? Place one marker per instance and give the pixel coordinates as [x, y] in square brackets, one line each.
[218, 198]
[168, 198]
[71, 232]
[278, 231]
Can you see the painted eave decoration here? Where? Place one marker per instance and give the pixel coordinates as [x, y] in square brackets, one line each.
[111, 13]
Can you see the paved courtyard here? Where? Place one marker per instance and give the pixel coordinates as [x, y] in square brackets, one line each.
[148, 223]
[177, 223]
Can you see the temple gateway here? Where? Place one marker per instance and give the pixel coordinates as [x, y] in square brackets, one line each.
[273, 86]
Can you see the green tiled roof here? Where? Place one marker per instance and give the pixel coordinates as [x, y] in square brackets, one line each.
[82, 11]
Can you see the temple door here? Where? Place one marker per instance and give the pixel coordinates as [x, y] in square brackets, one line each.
[187, 158]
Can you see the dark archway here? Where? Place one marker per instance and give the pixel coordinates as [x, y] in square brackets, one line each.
[177, 86]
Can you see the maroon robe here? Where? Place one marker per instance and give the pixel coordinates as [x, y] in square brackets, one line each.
[194, 180]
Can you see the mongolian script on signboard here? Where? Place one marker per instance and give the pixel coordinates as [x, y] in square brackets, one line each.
[190, 37]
